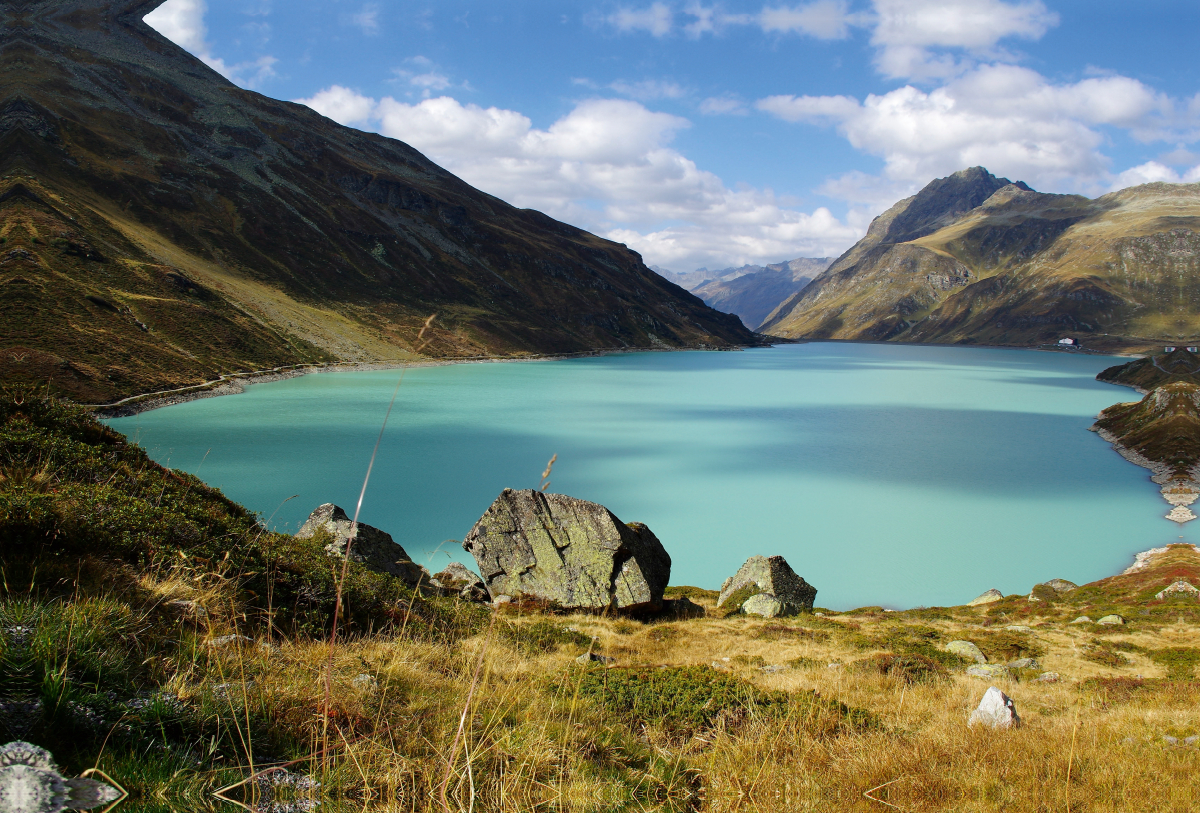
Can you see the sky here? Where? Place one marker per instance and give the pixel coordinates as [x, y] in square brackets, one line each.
[720, 134]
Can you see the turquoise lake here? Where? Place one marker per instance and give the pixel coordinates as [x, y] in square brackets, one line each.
[895, 475]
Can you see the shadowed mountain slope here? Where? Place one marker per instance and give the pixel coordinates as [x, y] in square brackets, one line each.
[161, 225]
[975, 259]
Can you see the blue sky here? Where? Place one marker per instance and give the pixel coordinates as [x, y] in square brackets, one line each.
[717, 134]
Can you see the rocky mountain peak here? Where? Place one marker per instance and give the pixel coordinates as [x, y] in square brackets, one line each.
[943, 201]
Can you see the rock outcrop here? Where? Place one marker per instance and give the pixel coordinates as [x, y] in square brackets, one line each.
[571, 552]
[771, 578]
[371, 547]
[1051, 590]
[986, 598]
[459, 580]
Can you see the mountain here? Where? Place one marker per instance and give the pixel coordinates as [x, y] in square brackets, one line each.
[977, 259]
[160, 225]
[753, 295]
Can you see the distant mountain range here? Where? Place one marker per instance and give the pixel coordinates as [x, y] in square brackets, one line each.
[751, 292]
[976, 259]
[159, 225]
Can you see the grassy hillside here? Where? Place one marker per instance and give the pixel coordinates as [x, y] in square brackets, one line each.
[1017, 268]
[123, 582]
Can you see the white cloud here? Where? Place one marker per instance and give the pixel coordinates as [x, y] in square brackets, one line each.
[367, 19]
[182, 22]
[824, 19]
[649, 89]
[1153, 172]
[723, 106]
[1010, 119]
[343, 105]
[908, 33]
[656, 19]
[606, 166]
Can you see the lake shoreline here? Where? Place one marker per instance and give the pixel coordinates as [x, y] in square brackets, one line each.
[235, 383]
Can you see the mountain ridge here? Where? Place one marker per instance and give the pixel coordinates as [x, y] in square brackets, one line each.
[1018, 268]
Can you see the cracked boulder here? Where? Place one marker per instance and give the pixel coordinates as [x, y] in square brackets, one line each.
[570, 552]
[782, 591]
[371, 547]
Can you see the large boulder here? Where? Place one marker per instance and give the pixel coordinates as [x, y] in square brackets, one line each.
[1051, 590]
[771, 576]
[372, 547]
[571, 552]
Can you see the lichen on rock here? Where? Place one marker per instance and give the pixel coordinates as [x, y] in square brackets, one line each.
[770, 576]
[573, 553]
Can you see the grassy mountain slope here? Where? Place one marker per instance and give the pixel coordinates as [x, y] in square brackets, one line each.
[1016, 268]
[241, 231]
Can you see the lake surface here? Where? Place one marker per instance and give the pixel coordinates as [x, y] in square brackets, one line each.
[895, 475]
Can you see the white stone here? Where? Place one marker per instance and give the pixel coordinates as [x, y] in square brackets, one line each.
[1083, 619]
[1111, 620]
[996, 710]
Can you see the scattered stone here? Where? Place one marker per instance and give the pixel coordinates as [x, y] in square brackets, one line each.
[1049, 591]
[1180, 587]
[837, 665]
[458, 579]
[987, 598]
[966, 649]
[720, 667]
[773, 668]
[1169, 740]
[764, 604]
[989, 671]
[573, 553]
[1111, 620]
[995, 711]
[229, 640]
[371, 547]
[1020, 628]
[1048, 677]
[1083, 619]
[365, 683]
[592, 657]
[819, 615]
[1025, 663]
[771, 577]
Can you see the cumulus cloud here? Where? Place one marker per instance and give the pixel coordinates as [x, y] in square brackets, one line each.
[912, 35]
[1152, 172]
[723, 106]
[182, 22]
[1007, 118]
[367, 18]
[823, 19]
[606, 166]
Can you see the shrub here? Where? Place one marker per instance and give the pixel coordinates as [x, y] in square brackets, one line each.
[1179, 661]
[1105, 657]
[539, 637]
[910, 668]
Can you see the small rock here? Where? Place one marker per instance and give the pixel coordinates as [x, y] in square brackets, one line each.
[720, 667]
[369, 546]
[774, 577]
[1025, 663]
[1048, 677]
[229, 640]
[1019, 628]
[1180, 587]
[995, 711]
[989, 671]
[1048, 591]
[819, 615]
[592, 657]
[1111, 620]
[836, 665]
[764, 604]
[459, 580]
[364, 683]
[987, 598]
[966, 649]
[773, 668]
[1169, 740]
[1083, 619]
